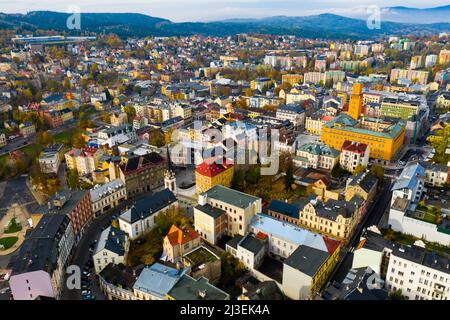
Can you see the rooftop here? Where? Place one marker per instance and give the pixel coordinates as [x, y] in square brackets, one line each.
[230, 196]
[187, 288]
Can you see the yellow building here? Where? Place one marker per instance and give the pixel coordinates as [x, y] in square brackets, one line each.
[356, 100]
[384, 143]
[208, 175]
[292, 79]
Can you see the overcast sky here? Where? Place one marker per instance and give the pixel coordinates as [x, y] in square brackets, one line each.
[209, 10]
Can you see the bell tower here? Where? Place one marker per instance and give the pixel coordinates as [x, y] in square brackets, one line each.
[355, 104]
[170, 181]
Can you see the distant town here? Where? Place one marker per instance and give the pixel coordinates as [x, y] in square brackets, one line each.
[245, 167]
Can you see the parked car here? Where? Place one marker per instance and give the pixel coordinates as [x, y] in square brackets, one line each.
[88, 297]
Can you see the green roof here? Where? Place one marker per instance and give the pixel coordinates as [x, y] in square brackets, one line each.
[348, 124]
[230, 196]
[187, 288]
[319, 148]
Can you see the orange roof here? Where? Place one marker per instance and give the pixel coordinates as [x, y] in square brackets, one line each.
[261, 235]
[213, 169]
[177, 236]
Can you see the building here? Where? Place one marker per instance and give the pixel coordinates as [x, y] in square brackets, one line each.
[436, 175]
[141, 173]
[410, 184]
[155, 282]
[188, 288]
[239, 209]
[316, 155]
[85, 160]
[354, 155]
[415, 76]
[284, 211]
[27, 129]
[140, 218]
[107, 196]
[119, 119]
[401, 107]
[50, 159]
[203, 262]
[383, 143]
[430, 60]
[179, 241]
[208, 175]
[443, 100]
[363, 184]
[251, 250]
[444, 57]
[117, 281]
[356, 100]
[309, 257]
[292, 112]
[112, 248]
[418, 273]
[76, 205]
[39, 268]
[3, 141]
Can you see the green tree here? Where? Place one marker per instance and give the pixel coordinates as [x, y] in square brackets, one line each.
[289, 178]
[397, 295]
[72, 179]
[378, 171]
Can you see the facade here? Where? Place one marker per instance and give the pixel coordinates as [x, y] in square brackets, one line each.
[27, 129]
[179, 241]
[418, 77]
[140, 173]
[400, 107]
[293, 113]
[3, 141]
[107, 196]
[207, 175]
[383, 144]
[239, 207]
[50, 159]
[119, 119]
[443, 100]
[364, 185]
[140, 218]
[39, 268]
[354, 155]
[316, 155]
[211, 222]
[112, 248]
[84, 161]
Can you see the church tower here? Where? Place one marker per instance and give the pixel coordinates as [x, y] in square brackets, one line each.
[355, 104]
[170, 181]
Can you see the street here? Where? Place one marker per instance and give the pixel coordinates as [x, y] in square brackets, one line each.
[372, 217]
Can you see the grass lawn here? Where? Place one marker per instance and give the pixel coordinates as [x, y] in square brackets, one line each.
[65, 137]
[8, 242]
[13, 227]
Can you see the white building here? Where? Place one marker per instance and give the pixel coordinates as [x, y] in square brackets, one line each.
[354, 154]
[112, 247]
[50, 159]
[293, 113]
[3, 141]
[140, 218]
[107, 196]
[410, 183]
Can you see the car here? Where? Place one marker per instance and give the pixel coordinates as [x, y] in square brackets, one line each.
[84, 292]
[88, 297]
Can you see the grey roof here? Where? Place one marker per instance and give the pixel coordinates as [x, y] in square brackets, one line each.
[228, 195]
[365, 180]
[187, 288]
[284, 208]
[210, 210]
[112, 239]
[252, 244]
[100, 191]
[119, 276]
[307, 260]
[148, 206]
[233, 243]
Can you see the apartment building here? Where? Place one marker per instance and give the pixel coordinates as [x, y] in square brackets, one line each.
[354, 155]
[107, 196]
[112, 248]
[316, 155]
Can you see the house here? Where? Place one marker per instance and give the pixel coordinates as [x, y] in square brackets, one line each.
[155, 282]
[252, 249]
[140, 218]
[364, 185]
[410, 184]
[50, 159]
[316, 155]
[179, 241]
[207, 175]
[239, 207]
[84, 160]
[3, 141]
[107, 196]
[141, 173]
[203, 262]
[354, 155]
[284, 211]
[418, 273]
[188, 288]
[40, 266]
[443, 100]
[292, 112]
[436, 174]
[211, 222]
[112, 248]
[116, 282]
[27, 129]
[119, 119]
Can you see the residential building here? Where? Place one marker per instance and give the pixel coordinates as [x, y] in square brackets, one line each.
[203, 262]
[354, 155]
[443, 100]
[211, 222]
[119, 119]
[141, 173]
[188, 288]
[179, 241]
[415, 76]
[239, 207]
[363, 184]
[84, 161]
[112, 248]
[316, 155]
[251, 250]
[50, 159]
[436, 174]
[27, 130]
[410, 184]
[38, 270]
[402, 107]
[444, 57]
[207, 175]
[418, 273]
[3, 141]
[140, 218]
[292, 112]
[117, 281]
[107, 196]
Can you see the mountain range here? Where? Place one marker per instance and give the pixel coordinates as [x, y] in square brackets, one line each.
[139, 25]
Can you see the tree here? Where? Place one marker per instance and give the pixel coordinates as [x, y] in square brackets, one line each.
[285, 161]
[397, 295]
[156, 138]
[72, 179]
[238, 181]
[231, 269]
[131, 113]
[44, 138]
[359, 169]
[289, 178]
[78, 140]
[338, 171]
[378, 171]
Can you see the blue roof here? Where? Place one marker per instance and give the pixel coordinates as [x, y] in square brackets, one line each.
[158, 279]
[409, 177]
[284, 208]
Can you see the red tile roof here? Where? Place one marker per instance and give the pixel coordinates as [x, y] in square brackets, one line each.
[177, 236]
[354, 146]
[213, 169]
[331, 244]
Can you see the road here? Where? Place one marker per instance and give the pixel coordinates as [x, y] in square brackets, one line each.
[372, 217]
[81, 255]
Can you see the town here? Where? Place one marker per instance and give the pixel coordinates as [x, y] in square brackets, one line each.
[245, 167]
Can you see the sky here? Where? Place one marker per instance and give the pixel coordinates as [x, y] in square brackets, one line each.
[211, 10]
